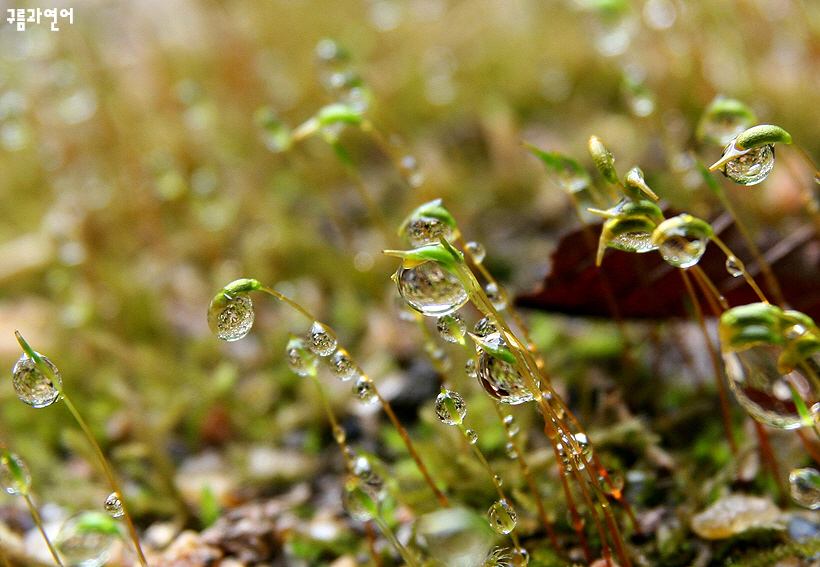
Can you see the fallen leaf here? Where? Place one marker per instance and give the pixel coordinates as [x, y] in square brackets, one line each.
[645, 286]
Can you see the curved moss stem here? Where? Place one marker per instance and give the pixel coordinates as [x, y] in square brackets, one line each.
[35, 515]
[112, 480]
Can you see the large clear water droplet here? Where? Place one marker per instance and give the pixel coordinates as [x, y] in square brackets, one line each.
[422, 230]
[484, 327]
[234, 320]
[477, 251]
[752, 167]
[430, 290]
[85, 539]
[496, 294]
[733, 267]
[804, 486]
[450, 407]
[321, 339]
[15, 477]
[502, 517]
[470, 368]
[766, 394]
[360, 500]
[472, 436]
[574, 456]
[452, 328]
[343, 367]
[113, 505]
[683, 251]
[511, 424]
[455, 537]
[300, 359]
[33, 386]
[500, 379]
[365, 391]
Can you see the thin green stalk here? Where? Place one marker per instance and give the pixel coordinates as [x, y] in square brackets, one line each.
[716, 366]
[35, 515]
[111, 478]
[385, 406]
[765, 268]
[97, 449]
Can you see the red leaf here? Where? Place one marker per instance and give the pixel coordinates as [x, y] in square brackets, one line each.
[645, 286]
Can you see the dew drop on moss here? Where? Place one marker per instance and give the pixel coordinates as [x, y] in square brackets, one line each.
[752, 167]
[804, 486]
[500, 379]
[33, 386]
[476, 251]
[502, 517]
[430, 290]
[15, 477]
[231, 320]
[364, 391]
[113, 505]
[451, 327]
[733, 267]
[85, 539]
[321, 339]
[450, 407]
[343, 366]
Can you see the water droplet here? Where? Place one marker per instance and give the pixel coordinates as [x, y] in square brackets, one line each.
[300, 359]
[339, 434]
[33, 386]
[752, 167]
[502, 517]
[805, 487]
[638, 242]
[472, 436]
[733, 267]
[571, 457]
[476, 251]
[321, 339]
[766, 394]
[511, 452]
[362, 467]
[470, 368]
[234, 319]
[682, 251]
[360, 500]
[450, 407]
[452, 328]
[113, 505]
[430, 290]
[484, 327]
[498, 481]
[500, 379]
[412, 172]
[85, 539]
[422, 230]
[343, 366]
[496, 294]
[365, 391]
[15, 477]
[441, 360]
[511, 424]
[456, 537]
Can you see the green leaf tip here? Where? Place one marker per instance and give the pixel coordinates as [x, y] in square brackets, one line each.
[762, 135]
[603, 159]
[568, 173]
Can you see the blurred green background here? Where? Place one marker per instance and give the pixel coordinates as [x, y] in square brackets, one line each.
[135, 182]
